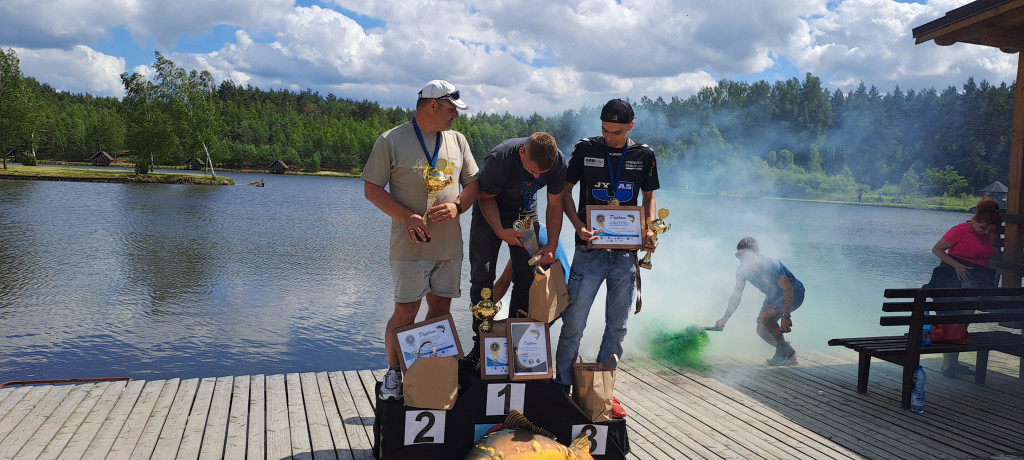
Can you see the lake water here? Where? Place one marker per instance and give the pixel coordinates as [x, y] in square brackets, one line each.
[160, 281]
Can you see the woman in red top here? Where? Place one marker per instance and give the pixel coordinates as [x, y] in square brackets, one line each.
[966, 247]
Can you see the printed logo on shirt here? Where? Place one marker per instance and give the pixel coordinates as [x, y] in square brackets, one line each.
[624, 193]
[595, 162]
[634, 165]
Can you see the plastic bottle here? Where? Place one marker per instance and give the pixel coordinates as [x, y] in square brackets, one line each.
[926, 333]
[917, 394]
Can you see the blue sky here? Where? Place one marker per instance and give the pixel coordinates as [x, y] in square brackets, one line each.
[506, 56]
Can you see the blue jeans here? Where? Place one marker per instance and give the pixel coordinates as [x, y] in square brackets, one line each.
[591, 268]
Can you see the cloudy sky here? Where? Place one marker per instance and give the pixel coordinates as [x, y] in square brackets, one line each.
[514, 56]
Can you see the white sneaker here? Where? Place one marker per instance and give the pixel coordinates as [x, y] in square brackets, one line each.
[391, 389]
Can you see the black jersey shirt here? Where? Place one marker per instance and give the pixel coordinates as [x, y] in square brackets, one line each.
[589, 168]
[503, 176]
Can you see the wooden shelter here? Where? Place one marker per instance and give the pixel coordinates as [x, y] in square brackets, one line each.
[101, 158]
[999, 24]
[195, 164]
[996, 191]
[278, 167]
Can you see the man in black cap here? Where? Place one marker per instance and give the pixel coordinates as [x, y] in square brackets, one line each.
[613, 170]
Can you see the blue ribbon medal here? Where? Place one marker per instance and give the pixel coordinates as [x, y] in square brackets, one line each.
[523, 222]
[434, 180]
[614, 176]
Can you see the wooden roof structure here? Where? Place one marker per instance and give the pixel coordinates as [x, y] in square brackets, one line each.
[102, 154]
[996, 23]
[999, 24]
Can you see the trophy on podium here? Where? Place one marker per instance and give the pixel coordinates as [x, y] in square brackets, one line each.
[434, 180]
[484, 310]
[658, 226]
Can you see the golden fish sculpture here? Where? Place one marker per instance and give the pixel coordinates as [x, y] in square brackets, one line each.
[519, 439]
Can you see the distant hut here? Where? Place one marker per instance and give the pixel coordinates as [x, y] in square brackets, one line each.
[996, 191]
[101, 158]
[278, 167]
[195, 164]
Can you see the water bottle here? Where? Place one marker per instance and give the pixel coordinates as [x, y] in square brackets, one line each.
[926, 334]
[917, 394]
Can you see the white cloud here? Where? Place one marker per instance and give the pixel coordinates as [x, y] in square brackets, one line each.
[871, 41]
[80, 70]
[506, 55]
[58, 23]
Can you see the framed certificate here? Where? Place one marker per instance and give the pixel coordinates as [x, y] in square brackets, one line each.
[529, 349]
[440, 332]
[616, 227]
[493, 355]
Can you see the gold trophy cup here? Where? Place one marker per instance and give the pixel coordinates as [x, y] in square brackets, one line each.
[658, 226]
[484, 310]
[434, 180]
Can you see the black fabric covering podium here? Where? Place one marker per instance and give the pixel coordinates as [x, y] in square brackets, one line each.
[402, 432]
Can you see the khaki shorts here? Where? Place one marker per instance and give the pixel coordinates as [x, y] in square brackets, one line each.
[415, 278]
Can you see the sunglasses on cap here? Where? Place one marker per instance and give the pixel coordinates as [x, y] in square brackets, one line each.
[454, 95]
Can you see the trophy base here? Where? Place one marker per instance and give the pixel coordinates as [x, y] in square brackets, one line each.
[645, 264]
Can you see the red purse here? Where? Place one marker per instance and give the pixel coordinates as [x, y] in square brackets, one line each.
[950, 333]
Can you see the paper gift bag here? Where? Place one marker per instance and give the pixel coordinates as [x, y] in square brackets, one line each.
[593, 386]
[548, 294]
[431, 382]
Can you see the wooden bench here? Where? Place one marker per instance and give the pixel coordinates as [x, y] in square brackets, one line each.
[985, 305]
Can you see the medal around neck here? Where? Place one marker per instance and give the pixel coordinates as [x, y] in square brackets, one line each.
[657, 226]
[521, 224]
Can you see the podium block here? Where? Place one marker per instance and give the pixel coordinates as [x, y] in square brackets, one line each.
[402, 432]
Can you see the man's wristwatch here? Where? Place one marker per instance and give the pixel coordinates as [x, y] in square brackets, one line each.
[458, 207]
[786, 315]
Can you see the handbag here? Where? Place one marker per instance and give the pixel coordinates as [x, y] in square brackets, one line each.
[950, 333]
[549, 296]
[593, 387]
[944, 276]
[431, 382]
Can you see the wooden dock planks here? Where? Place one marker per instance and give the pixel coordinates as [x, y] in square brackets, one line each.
[736, 408]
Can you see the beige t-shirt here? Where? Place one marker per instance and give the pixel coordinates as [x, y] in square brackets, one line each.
[397, 161]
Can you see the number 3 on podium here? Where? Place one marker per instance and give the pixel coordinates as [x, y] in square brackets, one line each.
[598, 435]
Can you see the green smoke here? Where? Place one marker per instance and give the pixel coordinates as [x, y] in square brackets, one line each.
[682, 348]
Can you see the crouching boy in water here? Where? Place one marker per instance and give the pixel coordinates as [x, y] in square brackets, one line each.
[783, 294]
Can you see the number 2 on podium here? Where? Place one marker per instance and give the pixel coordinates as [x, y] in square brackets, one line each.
[424, 427]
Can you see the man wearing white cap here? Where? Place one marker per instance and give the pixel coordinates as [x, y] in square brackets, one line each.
[426, 236]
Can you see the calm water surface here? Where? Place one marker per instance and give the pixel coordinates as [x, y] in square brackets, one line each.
[160, 281]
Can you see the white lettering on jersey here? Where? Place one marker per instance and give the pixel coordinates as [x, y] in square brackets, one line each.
[595, 162]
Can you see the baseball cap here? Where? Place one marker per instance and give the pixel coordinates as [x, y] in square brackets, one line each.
[617, 111]
[440, 89]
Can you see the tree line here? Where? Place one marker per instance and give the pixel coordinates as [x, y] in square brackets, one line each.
[789, 138]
